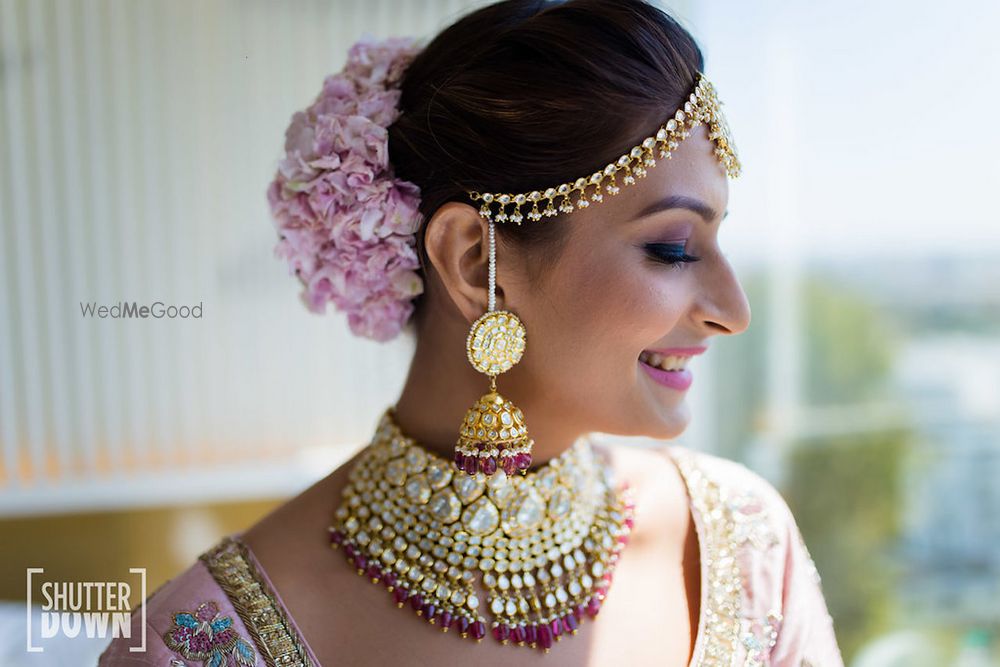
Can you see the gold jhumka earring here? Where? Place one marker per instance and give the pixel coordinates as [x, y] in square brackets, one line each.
[493, 434]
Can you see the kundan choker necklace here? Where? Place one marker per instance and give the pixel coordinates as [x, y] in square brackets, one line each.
[543, 543]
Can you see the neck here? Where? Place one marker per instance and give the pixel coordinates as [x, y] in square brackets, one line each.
[441, 386]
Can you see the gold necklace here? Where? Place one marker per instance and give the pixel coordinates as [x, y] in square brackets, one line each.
[545, 543]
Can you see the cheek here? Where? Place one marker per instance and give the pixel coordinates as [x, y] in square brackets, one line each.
[632, 306]
[597, 317]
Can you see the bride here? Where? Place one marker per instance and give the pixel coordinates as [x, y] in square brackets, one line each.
[535, 195]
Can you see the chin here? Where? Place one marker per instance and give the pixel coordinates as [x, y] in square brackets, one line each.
[673, 422]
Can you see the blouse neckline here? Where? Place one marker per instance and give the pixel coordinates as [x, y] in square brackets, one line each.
[718, 633]
[674, 453]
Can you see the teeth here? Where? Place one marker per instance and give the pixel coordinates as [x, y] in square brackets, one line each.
[670, 363]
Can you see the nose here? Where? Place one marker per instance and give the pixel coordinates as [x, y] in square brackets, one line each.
[721, 304]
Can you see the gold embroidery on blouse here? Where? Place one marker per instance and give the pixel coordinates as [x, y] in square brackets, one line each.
[723, 603]
[233, 570]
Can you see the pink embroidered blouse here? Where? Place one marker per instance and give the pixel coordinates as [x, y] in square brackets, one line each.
[761, 598]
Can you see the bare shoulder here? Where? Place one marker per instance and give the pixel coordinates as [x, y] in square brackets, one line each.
[297, 528]
[293, 548]
[292, 545]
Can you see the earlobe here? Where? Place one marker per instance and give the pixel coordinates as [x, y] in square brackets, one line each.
[457, 244]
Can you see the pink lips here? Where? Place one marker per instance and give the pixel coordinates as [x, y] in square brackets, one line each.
[679, 380]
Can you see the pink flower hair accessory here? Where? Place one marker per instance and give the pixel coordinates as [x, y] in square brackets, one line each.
[347, 225]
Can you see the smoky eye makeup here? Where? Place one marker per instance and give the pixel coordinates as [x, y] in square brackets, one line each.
[669, 253]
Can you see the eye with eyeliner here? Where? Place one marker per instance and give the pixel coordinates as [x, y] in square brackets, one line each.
[670, 253]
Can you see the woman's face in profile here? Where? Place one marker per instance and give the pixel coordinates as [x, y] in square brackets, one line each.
[612, 293]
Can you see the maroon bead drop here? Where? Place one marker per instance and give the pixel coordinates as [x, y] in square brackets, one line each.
[501, 632]
[556, 627]
[459, 460]
[531, 633]
[429, 610]
[509, 465]
[478, 629]
[569, 620]
[544, 636]
[519, 634]
[593, 607]
[444, 620]
[462, 624]
[417, 601]
[400, 595]
[471, 465]
[489, 465]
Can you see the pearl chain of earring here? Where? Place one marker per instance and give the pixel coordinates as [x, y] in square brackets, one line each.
[493, 268]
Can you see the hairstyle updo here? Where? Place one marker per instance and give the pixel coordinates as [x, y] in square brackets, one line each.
[523, 94]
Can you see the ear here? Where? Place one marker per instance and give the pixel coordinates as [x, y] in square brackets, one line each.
[457, 243]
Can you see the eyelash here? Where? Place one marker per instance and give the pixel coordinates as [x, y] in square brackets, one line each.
[675, 260]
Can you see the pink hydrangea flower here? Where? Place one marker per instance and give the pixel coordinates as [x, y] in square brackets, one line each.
[347, 225]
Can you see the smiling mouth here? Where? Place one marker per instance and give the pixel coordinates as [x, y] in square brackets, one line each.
[673, 362]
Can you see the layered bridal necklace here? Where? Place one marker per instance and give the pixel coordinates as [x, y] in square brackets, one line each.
[543, 543]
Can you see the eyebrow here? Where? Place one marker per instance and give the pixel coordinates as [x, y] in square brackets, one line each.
[680, 201]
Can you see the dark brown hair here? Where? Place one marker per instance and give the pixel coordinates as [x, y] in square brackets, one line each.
[525, 94]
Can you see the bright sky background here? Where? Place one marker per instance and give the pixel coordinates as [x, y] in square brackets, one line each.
[868, 127]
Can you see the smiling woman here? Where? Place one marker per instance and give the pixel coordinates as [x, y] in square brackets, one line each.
[401, 201]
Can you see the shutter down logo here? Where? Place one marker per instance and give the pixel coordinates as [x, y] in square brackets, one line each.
[92, 609]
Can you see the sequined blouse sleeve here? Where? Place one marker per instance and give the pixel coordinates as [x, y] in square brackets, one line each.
[807, 638]
[765, 606]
